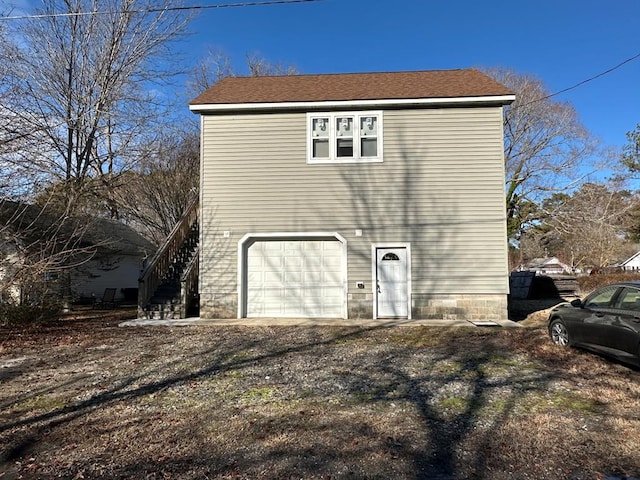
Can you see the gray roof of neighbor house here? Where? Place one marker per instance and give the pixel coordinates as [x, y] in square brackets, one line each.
[33, 223]
[431, 84]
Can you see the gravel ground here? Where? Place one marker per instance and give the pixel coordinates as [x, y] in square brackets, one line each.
[89, 399]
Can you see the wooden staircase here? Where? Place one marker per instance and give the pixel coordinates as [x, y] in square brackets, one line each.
[168, 286]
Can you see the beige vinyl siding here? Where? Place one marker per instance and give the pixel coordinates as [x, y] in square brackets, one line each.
[440, 188]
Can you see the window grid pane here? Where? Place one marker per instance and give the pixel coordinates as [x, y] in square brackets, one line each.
[369, 147]
[344, 126]
[321, 148]
[320, 127]
[369, 126]
[344, 147]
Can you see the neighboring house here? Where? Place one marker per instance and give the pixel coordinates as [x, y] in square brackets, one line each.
[38, 248]
[546, 266]
[631, 263]
[376, 195]
[121, 254]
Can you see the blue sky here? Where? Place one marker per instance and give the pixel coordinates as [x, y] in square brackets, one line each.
[562, 42]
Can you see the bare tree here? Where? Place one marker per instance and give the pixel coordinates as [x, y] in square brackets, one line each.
[153, 198]
[260, 67]
[545, 145]
[217, 65]
[81, 78]
[591, 226]
[78, 104]
[13, 132]
[631, 151]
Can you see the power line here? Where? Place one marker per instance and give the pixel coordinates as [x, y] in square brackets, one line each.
[158, 10]
[601, 74]
[282, 2]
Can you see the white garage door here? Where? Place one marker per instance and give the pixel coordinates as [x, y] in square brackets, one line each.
[295, 278]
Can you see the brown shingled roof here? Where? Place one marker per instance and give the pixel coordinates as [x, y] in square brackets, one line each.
[352, 86]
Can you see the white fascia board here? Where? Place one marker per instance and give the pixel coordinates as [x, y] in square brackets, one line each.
[290, 235]
[216, 107]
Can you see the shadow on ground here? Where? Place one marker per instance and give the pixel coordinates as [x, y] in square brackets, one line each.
[535, 310]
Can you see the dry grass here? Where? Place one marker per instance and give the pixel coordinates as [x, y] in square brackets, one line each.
[591, 282]
[86, 399]
[532, 313]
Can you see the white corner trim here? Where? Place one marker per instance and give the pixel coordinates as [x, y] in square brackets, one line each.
[221, 107]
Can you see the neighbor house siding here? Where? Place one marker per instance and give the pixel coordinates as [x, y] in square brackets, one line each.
[440, 188]
[116, 271]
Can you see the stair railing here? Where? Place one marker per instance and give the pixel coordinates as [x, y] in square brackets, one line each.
[157, 269]
[189, 284]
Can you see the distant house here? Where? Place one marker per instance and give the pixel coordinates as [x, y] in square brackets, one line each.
[631, 263]
[121, 254]
[375, 195]
[38, 250]
[546, 266]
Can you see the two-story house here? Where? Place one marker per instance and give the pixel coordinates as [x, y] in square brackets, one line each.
[374, 195]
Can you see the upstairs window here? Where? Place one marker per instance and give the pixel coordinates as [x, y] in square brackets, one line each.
[344, 137]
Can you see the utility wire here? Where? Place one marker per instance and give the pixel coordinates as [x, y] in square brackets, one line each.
[601, 74]
[157, 10]
[282, 2]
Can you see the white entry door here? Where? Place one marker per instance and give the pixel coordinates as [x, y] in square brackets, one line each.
[392, 282]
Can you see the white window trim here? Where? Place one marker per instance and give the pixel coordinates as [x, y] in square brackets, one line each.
[333, 158]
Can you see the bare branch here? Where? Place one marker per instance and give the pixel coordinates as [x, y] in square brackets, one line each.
[81, 86]
[546, 147]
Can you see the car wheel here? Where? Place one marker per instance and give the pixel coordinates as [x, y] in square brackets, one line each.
[558, 332]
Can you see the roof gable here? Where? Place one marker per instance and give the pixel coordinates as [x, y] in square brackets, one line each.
[435, 84]
[630, 259]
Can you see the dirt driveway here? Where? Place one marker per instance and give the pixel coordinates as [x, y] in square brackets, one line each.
[88, 399]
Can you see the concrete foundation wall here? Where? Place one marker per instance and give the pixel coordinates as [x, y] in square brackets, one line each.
[488, 307]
